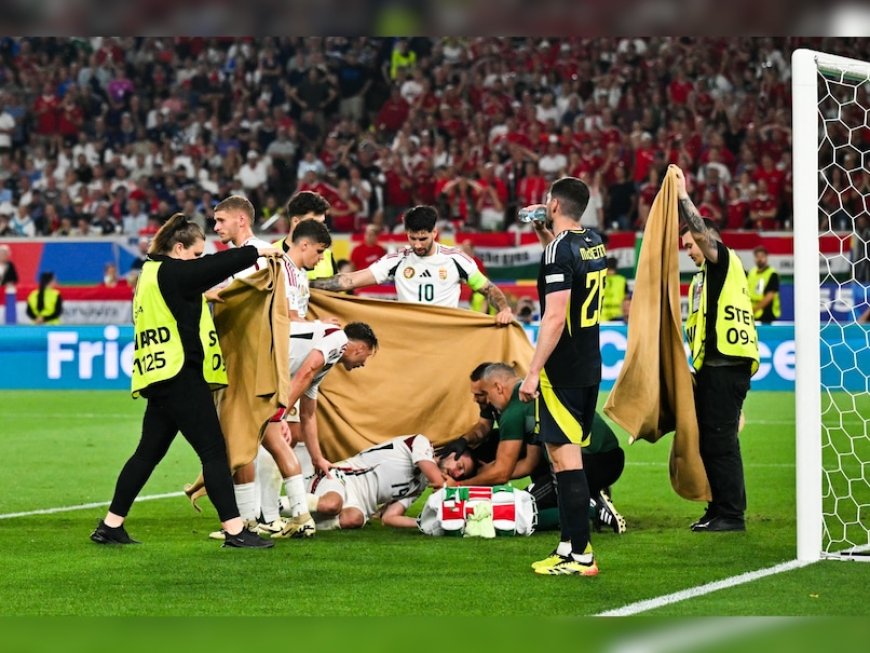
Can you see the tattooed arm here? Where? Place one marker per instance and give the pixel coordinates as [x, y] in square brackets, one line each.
[704, 238]
[496, 298]
[345, 281]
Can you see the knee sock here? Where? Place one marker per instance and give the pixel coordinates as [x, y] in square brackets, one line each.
[295, 488]
[268, 486]
[246, 499]
[574, 509]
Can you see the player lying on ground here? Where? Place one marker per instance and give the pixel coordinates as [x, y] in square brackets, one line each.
[386, 478]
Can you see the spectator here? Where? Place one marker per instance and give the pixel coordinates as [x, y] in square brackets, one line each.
[8, 273]
[368, 251]
[621, 200]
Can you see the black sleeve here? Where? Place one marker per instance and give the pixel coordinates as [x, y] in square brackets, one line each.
[11, 274]
[195, 277]
[722, 262]
[772, 283]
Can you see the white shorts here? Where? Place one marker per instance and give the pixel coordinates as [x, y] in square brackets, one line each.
[355, 491]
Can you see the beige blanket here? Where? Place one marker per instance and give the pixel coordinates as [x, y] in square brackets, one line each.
[254, 332]
[418, 381]
[653, 394]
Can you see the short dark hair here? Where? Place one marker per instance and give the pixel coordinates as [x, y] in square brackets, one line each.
[499, 369]
[477, 372]
[306, 201]
[760, 248]
[573, 196]
[362, 332]
[421, 218]
[710, 224]
[611, 262]
[314, 231]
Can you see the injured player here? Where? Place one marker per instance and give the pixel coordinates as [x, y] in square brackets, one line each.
[385, 478]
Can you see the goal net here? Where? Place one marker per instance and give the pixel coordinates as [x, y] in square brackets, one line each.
[831, 141]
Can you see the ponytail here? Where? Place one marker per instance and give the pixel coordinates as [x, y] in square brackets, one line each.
[44, 279]
[177, 229]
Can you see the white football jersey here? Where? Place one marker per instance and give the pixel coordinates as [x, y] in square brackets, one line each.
[259, 264]
[430, 279]
[300, 293]
[390, 469]
[305, 337]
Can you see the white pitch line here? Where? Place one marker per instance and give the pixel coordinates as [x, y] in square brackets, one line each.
[652, 463]
[702, 590]
[86, 506]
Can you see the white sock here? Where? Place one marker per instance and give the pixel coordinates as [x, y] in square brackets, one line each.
[585, 559]
[246, 499]
[294, 486]
[328, 524]
[268, 486]
[312, 501]
[564, 549]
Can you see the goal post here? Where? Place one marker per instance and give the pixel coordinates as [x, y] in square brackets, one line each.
[832, 457]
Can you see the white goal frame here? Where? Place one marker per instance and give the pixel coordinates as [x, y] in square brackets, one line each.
[807, 325]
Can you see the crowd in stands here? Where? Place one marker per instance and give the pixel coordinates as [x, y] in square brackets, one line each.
[112, 135]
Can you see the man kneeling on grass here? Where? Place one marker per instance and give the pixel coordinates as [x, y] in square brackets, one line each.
[519, 454]
[387, 477]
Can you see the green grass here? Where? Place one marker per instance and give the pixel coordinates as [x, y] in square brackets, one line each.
[66, 448]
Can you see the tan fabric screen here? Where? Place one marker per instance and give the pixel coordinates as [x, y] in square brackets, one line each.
[653, 394]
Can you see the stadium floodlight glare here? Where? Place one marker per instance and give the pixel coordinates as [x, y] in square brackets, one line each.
[830, 127]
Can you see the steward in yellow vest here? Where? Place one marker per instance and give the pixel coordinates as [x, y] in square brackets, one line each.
[177, 361]
[763, 283]
[45, 305]
[615, 292]
[724, 350]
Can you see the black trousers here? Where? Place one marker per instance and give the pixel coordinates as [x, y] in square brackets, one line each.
[719, 396]
[184, 404]
[602, 470]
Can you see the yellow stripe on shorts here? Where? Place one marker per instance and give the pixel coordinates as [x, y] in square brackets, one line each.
[569, 425]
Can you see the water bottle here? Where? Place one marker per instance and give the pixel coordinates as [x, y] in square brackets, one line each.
[538, 214]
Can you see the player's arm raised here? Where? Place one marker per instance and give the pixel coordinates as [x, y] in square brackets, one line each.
[346, 281]
[706, 243]
[496, 298]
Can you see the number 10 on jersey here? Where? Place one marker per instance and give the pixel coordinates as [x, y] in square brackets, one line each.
[425, 292]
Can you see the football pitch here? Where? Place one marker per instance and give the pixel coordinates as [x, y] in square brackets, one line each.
[63, 451]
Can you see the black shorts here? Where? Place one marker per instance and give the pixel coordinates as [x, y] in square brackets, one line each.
[564, 415]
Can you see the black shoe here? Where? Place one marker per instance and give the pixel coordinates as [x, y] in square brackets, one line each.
[720, 525]
[606, 515]
[247, 540]
[709, 514]
[107, 535]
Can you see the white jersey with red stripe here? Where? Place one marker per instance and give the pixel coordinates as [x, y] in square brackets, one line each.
[261, 263]
[432, 279]
[300, 293]
[389, 471]
[305, 337]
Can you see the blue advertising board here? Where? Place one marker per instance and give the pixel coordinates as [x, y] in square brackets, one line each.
[100, 357]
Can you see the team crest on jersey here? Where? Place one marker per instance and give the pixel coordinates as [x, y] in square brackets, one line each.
[409, 272]
[442, 274]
